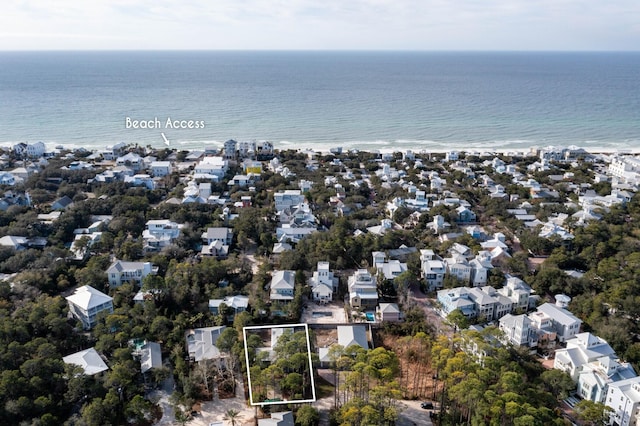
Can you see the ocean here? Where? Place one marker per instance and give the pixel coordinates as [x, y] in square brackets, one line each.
[423, 101]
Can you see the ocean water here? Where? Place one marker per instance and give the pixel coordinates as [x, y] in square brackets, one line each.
[367, 100]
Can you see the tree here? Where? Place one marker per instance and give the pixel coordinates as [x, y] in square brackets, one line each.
[592, 413]
[307, 416]
[232, 416]
[559, 383]
[457, 318]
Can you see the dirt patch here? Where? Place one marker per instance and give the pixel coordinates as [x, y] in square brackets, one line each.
[325, 337]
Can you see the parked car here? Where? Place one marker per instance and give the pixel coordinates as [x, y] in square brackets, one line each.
[428, 405]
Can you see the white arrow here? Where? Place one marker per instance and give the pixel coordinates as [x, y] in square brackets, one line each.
[166, 141]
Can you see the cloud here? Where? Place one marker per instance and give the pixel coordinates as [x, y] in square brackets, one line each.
[328, 24]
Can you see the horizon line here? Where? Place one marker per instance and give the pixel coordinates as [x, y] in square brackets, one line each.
[258, 50]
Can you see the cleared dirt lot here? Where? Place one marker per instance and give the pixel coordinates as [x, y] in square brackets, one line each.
[331, 313]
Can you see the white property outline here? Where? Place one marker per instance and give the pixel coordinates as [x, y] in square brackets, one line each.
[246, 354]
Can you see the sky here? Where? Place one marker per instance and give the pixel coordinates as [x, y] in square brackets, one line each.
[320, 25]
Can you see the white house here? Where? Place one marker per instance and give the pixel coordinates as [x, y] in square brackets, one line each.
[323, 283]
[432, 268]
[288, 198]
[519, 292]
[363, 289]
[212, 166]
[89, 360]
[278, 419]
[121, 272]
[596, 377]
[282, 286]
[389, 312]
[159, 234]
[31, 150]
[390, 269]
[584, 348]
[517, 330]
[201, 343]
[148, 353]
[564, 322]
[160, 168]
[86, 303]
[131, 160]
[349, 335]
[623, 398]
[237, 304]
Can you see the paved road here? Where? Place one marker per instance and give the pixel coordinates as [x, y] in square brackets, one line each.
[412, 414]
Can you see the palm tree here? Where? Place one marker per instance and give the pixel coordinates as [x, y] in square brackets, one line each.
[232, 415]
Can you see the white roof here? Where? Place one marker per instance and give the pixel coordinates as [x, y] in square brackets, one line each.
[87, 297]
[283, 280]
[234, 302]
[89, 360]
[558, 314]
[201, 342]
[278, 419]
[389, 308]
[352, 335]
[151, 356]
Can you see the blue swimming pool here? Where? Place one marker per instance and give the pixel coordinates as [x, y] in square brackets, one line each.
[370, 316]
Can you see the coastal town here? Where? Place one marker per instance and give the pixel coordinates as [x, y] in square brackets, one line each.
[245, 285]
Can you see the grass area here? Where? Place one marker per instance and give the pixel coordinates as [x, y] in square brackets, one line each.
[323, 388]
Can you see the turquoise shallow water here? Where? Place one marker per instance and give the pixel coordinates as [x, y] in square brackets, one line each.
[366, 100]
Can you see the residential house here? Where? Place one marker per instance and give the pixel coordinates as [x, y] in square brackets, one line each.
[519, 292]
[216, 241]
[432, 268]
[86, 303]
[201, 343]
[623, 398]
[596, 377]
[564, 322]
[83, 242]
[456, 298]
[160, 168]
[390, 269]
[464, 215]
[282, 286]
[235, 305]
[458, 266]
[363, 290]
[62, 203]
[350, 335]
[284, 418]
[581, 350]
[89, 360]
[518, 330]
[121, 272]
[293, 234]
[15, 242]
[148, 353]
[131, 160]
[389, 312]
[159, 234]
[230, 149]
[323, 283]
[241, 181]
[212, 168]
[419, 203]
[31, 150]
[288, 198]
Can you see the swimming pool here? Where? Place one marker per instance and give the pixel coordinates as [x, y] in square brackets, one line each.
[370, 316]
[319, 314]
